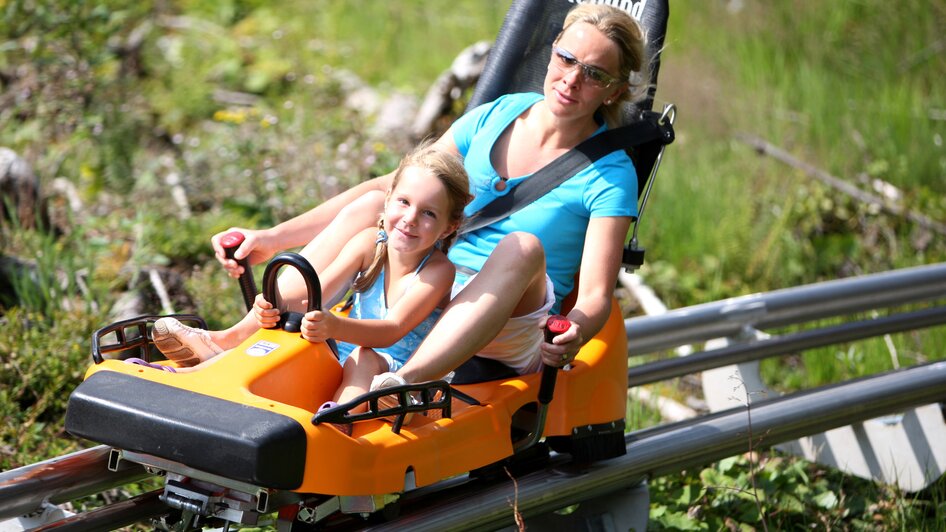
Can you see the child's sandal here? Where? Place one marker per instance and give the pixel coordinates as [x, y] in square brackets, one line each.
[344, 428]
[143, 362]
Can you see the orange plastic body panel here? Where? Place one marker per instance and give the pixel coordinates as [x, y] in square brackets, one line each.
[285, 374]
[594, 390]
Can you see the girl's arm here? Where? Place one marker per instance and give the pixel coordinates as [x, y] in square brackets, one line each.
[601, 259]
[415, 305]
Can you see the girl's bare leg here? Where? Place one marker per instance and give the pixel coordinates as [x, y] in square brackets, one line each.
[360, 367]
[511, 283]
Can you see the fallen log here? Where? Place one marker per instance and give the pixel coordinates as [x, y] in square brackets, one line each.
[766, 148]
[449, 86]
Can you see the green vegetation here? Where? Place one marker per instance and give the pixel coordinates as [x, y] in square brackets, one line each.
[791, 495]
[852, 90]
[241, 106]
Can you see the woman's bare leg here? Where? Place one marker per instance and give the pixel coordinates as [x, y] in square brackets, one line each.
[234, 335]
[511, 283]
[202, 365]
[359, 215]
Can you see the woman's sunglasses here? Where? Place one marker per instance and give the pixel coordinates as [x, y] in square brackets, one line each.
[566, 62]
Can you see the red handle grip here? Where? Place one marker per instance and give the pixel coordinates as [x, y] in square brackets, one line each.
[230, 242]
[555, 326]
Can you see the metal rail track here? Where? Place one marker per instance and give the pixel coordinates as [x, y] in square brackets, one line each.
[671, 448]
[788, 306]
[113, 516]
[62, 479]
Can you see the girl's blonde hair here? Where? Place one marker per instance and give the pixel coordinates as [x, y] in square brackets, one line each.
[621, 28]
[445, 166]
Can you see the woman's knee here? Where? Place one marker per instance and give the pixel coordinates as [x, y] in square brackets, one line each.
[520, 247]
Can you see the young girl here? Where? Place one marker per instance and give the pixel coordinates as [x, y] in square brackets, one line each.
[402, 278]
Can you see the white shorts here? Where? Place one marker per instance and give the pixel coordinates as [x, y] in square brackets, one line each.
[517, 344]
[393, 365]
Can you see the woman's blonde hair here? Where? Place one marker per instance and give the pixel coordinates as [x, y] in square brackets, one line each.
[445, 166]
[634, 64]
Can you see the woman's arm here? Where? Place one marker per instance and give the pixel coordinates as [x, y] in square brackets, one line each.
[299, 231]
[601, 259]
[413, 307]
[261, 244]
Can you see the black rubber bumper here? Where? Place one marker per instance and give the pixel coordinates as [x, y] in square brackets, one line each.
[229, 439]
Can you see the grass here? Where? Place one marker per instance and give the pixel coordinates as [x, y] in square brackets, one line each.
[854, 89]
[851, 90]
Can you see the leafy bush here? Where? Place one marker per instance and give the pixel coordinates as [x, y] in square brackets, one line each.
[43, 359]
[788, 494]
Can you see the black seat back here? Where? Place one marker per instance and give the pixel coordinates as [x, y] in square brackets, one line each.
[520, 56]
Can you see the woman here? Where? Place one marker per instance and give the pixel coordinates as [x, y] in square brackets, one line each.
[499, 312]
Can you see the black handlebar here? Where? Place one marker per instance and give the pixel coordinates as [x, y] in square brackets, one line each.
[292, 321]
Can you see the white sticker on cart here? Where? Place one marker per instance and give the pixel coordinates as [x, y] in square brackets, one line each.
[261, 348]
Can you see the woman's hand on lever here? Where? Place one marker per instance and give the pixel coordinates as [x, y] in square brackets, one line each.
[604, 242]
[255, 246]
[564, 347]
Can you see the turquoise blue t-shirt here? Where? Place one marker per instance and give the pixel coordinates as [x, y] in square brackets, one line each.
[560, 218]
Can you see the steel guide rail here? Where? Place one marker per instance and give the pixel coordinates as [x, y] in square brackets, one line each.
[673, 447]
[788, 306]
[665, 369]
[113, 516]
[62, 479]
